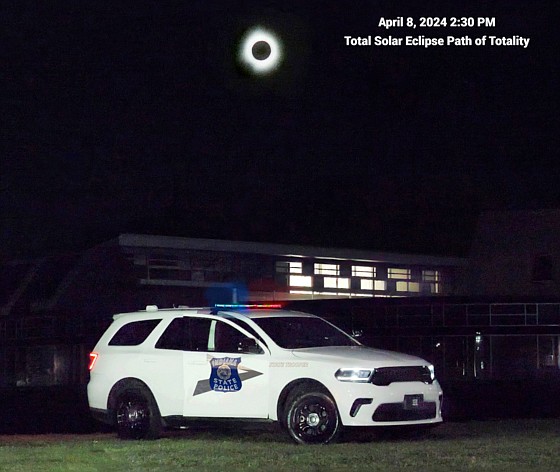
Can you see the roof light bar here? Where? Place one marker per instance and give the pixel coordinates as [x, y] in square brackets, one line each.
[252, 305]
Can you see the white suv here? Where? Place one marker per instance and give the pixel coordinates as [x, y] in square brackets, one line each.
[169, 367]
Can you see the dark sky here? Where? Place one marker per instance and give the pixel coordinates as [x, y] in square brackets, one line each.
[136, 117]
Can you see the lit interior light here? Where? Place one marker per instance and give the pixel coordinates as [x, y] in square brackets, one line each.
[260, 51]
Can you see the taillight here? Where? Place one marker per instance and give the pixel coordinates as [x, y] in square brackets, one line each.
[92, 358]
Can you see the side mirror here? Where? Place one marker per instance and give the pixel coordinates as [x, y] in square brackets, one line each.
[357, 333]
[250, 346]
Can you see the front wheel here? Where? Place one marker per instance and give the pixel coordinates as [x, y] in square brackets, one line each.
[312, 418]
[137, 415]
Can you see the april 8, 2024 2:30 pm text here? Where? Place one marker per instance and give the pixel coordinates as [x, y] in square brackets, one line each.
[437, 24]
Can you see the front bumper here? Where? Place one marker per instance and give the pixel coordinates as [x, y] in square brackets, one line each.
[398, 404]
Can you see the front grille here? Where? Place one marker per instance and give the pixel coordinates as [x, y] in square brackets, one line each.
[397, 412]
[387, 375]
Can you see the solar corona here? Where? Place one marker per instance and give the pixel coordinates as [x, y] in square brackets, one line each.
[260, 51]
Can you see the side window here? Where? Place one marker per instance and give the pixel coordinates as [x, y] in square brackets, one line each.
[186, 334]
[175, 337]
[199, 334]
[229, 339]
[249, 328]
[133, 334]
[205, 335]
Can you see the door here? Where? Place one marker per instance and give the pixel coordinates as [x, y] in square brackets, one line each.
[225, 373]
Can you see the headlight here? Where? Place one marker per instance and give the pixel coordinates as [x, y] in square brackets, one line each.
[353, 375]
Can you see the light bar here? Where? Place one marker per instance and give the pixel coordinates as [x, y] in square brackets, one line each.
[247, 306]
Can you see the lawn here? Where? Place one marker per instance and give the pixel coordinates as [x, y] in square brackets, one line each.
[506, 445]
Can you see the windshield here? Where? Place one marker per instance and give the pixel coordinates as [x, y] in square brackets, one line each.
[295, 332]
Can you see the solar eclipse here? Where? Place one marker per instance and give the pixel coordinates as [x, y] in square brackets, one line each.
[260, 51]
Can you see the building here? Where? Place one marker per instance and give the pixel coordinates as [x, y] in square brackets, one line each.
[514, 254]
[53, 309]
[262, 271]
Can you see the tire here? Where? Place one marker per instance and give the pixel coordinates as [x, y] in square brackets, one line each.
[137, 415]
[312, 418]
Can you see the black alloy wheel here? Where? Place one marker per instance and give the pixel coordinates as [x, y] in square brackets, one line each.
[313, 418]
[137, 416]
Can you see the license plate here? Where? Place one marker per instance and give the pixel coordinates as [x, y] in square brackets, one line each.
[413, 402]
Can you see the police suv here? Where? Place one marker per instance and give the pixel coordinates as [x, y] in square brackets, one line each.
[162, 368]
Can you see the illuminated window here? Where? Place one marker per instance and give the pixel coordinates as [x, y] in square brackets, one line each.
[380, 285]
[337, 282]
[288, 267]
[404, 286]
[301, 281]
[394, 273]
[327, 269]
[432, 277]
[312, 294]
[363, 271]
[366, 284]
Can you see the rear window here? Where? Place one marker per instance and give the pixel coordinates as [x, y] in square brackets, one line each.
[133, 334]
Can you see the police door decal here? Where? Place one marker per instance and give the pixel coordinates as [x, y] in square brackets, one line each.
[224, 376]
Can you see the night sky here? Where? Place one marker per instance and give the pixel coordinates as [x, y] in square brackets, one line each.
[136, 117]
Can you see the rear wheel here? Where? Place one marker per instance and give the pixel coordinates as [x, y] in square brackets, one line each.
[312, 418]
[137, 415]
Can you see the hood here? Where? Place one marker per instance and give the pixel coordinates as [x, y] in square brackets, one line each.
[358, 354]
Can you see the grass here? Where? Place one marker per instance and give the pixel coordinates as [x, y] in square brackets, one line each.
[525, 445]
